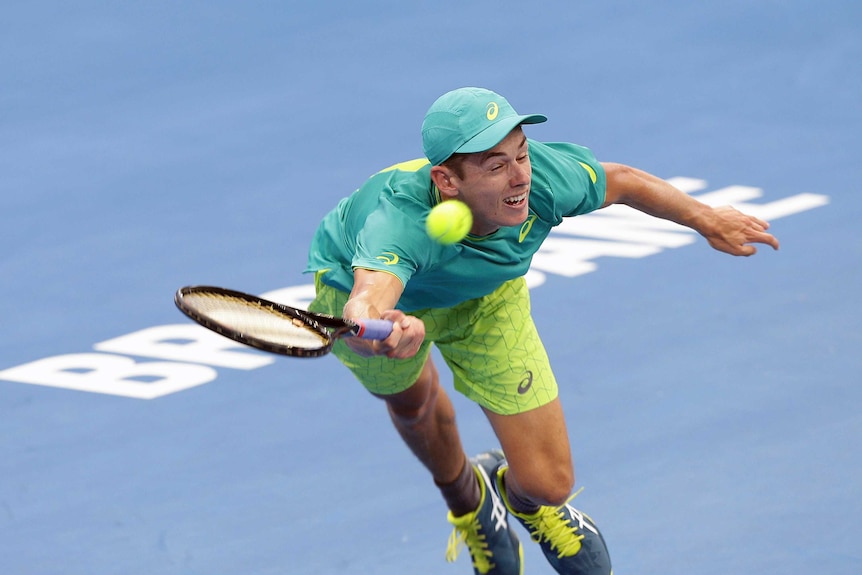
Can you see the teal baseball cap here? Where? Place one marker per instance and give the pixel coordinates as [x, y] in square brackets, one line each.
[469, 120]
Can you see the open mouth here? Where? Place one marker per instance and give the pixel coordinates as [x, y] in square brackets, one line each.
[516, 201]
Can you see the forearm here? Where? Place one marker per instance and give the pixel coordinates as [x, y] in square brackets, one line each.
[373, 293]
[725, 228]
[652, 195]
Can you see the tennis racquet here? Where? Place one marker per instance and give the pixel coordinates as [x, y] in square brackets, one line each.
[271, 326]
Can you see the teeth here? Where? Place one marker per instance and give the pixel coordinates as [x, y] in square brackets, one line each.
[516, 199]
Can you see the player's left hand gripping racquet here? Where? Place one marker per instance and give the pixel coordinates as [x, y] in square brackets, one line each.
[271, 326]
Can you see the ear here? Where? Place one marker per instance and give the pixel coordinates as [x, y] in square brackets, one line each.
[446, 181]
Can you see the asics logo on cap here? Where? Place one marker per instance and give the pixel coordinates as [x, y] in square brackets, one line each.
[493, 110]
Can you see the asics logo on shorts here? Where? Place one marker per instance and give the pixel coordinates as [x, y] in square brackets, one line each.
[526, 383]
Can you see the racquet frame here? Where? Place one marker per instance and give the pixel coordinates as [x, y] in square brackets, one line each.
[328, 327]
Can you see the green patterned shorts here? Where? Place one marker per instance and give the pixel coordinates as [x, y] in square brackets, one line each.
[490, 344]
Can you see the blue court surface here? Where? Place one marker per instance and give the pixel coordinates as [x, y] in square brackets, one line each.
[714, 403]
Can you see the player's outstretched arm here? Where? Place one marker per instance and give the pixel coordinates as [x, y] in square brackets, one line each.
[725, 228]
[375, 295]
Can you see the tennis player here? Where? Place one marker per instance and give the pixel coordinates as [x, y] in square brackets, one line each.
[372, 258]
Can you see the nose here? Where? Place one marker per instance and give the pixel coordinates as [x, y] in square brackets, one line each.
[520, 173]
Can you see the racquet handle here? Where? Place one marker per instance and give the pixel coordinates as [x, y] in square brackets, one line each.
[373, 328]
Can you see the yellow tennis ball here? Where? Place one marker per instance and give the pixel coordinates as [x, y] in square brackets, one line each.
[449, 222]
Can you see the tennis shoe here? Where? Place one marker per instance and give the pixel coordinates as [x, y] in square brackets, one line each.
[486, 532]
[569, 538]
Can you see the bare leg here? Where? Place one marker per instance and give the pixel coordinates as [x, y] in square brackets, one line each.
[425, 419]
[541, 477]
[536, 445]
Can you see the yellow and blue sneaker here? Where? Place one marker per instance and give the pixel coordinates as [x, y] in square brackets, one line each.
[569, 538]
[493, 545]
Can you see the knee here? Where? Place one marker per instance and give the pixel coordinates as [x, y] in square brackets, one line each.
[413, 405]
[414, 412]
[556, 490]
[549, 485]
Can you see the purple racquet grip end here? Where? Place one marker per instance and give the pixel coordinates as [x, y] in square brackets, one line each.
[374, 328]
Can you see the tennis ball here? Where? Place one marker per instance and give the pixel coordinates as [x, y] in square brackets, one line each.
[449, 222]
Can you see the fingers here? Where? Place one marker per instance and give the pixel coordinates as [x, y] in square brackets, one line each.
[408, 333]
[736, 232]
[767, 239]
[747, 250]
[758, 233]
[407, 336]
[734, 248]
[762, 223]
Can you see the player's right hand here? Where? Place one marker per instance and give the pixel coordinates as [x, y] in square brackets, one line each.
[408, 333]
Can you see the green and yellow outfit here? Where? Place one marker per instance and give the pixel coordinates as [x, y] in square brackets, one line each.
[471, 295]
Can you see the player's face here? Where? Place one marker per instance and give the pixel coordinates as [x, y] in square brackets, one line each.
[496, 184]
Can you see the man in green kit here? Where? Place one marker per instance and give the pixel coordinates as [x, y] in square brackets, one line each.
[372, 258]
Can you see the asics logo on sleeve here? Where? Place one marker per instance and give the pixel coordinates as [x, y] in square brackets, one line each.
[389, 258]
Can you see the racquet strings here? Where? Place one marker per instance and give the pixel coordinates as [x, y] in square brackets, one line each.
[252, 319]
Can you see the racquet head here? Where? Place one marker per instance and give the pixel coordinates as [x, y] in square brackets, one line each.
[260, 323]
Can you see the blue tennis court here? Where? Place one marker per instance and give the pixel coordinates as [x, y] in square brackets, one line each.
[714, 403]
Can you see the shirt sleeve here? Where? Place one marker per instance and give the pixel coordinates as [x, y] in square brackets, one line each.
[571, 174]
[390, 241]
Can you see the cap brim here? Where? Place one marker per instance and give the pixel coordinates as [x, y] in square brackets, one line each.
[494, 134]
